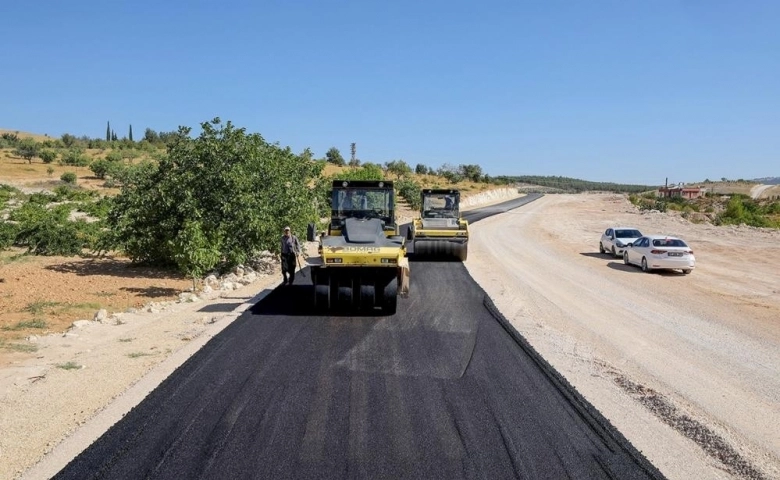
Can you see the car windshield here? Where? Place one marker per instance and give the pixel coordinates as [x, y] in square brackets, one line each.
[669, 242]
[627, 234]
[440, 206]
[362, 202]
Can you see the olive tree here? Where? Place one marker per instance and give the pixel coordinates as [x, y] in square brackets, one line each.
[212, 201]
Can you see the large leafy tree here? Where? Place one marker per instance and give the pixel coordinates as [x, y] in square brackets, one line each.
[333, 155]
[213, 200]
[28, 149]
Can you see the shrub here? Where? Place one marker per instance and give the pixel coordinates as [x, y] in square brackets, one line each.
[7, 192]
[69, 178]
[410, 190]
[41, 198]
[27, 149]
[63, 193]
[114, 156]
[49, 232]
[48, 156]
[75, 157]
[8, 232]
[100, 167]
[98, 209]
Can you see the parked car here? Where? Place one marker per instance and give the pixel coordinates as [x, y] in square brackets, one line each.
[653, 252]
[615, 239]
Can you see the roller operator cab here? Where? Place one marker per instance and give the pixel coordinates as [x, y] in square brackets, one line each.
[440, 231]
[361, 262]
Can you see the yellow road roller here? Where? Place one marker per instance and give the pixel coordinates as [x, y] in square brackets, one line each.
[440, 231]
[361, 261]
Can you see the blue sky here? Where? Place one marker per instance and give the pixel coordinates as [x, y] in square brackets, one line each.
[622, 91]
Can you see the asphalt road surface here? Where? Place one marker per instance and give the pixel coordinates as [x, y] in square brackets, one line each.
[443, 389]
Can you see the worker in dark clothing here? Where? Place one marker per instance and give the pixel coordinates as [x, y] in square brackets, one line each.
[291, 248]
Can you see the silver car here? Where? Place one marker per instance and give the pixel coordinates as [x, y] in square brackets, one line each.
[656, 252]
[615, 239]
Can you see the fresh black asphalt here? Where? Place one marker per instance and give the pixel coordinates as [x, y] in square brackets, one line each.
[444, 389]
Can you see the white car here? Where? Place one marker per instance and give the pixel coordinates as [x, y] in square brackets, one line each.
[615, 239]
[654, 252]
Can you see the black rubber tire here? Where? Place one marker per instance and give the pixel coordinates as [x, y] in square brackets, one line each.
[344, 297]
[321, 292]
[625, 258]
[614, 252]
[644, 265]
[390, 297]
[462, 252]
[367, 294]
[687, 271]
[601, 248]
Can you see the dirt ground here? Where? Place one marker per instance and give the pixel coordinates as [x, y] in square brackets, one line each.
[686, 366]
[665, 357]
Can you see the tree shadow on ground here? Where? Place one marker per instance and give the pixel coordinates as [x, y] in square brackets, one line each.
[152, 292]
[115, 268]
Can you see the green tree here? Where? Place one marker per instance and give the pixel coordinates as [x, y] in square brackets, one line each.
[130, 135]
[27, 149]
[334, 156]
[69, 178]
[76, 157]
[48, 156]
[151, 136]
[421, 169]
[108, 131]
[68, 140]
[398, 168]
[472, 172]
[214, 200]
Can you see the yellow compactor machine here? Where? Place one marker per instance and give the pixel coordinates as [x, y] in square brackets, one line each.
[440, 231]
[361, 262]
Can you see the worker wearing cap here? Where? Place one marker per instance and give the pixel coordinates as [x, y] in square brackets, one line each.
[291, 248]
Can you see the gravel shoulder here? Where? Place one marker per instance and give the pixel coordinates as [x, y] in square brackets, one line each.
[666, 358]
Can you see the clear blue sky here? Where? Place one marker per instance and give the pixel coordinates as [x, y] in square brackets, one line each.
[625, 91]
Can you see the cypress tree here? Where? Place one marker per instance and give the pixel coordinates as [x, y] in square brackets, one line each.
[131, 133]
[108, 131]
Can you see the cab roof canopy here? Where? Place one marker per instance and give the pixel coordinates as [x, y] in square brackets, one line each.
[363, 183]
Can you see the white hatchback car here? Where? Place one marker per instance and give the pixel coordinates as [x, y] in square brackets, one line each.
[653, 252]
[615, 239]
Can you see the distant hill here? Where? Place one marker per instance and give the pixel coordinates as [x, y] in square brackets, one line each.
[568, 184]
[768, 180]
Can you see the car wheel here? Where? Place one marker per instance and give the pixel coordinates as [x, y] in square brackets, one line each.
[625, 258]
[601, 248]
[687, 271]
[644, 265]
[614, 253]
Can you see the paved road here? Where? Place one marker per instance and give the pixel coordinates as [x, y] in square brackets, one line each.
[443, 389]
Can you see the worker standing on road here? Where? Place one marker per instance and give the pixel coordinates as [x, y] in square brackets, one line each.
[291, 248]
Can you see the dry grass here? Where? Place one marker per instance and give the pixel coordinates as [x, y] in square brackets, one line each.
[425, 181]
[35, 136]
[18, 172]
